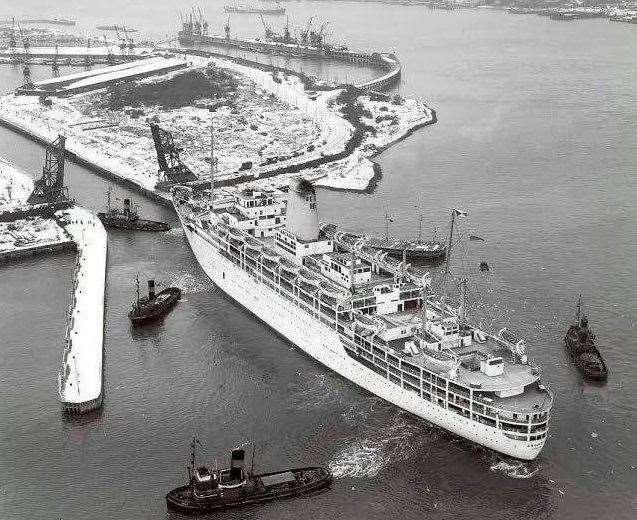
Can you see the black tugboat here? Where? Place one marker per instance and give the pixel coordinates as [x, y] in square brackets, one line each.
[153, 306]
[127, 218]
[217, 490]
[580, 343]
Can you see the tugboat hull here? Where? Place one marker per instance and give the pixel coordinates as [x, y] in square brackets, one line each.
[586, 357]
[135, 225]
[166, 300]
[307, 480]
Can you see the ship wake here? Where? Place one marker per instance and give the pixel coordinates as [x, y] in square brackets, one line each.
[379, 447]
[515, 469]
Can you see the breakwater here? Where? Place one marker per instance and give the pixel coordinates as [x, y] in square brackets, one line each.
[80, 377]
[386, 63]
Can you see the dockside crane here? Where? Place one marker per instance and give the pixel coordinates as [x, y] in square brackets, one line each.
[109, 54]
[12, 42]
[121, 40]
[87, 58]
[197, 22]
[55, 67]
[128, 40]
[305, 33]
[268, 32]
[317, 37]
[204, 23]
[226, 28]
[287, 36]
[26, 70]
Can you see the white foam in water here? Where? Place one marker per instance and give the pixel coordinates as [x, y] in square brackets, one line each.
[175, 231]
[516, 469]
[316, 393]
[188, 283]
[384, 446]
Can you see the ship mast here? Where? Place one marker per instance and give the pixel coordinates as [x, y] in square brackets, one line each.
[137, 284]
[388, 219]
[191, 467]
[579, 308]
[420, 229]
[108, 198]
[454, 212]
[213, 165]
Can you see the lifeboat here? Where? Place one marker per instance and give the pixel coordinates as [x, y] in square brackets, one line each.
[366, 325]
[254, 247]
[236, 235]
[290, 268]
[330, 291]
[310, 281]
[270, 256]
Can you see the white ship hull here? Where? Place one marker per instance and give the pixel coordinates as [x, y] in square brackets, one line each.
[323, 344]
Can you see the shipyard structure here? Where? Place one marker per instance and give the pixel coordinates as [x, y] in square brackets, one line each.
[311, 44]
[368, 317]
[48, 220]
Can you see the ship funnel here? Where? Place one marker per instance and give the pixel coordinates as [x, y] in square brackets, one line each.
[151, 289]
[302, 213]
[127, 207]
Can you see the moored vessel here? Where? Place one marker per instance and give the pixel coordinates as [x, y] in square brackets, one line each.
[580, 343]
[254, 9]
[128, 218]
[409, 249]
[210, 490]
[153, 306]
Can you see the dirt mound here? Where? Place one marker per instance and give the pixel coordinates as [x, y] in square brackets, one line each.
[178, 91]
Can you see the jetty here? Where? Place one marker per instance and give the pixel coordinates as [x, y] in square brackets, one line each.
[52, 223]
[70, 54]
[102, 77]
[80, 377]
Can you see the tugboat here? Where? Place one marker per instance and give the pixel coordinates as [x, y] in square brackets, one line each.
[211, 490]
[580, 343]
[127, 218]
[153, 306]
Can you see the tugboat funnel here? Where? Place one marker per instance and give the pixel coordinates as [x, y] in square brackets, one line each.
[151, 289]
[236, 464]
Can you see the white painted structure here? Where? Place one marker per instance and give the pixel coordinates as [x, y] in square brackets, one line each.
[372, 342]
[80, 377]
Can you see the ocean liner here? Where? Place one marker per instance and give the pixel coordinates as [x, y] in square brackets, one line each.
[369, 317]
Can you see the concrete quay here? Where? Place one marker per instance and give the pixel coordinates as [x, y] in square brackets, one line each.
[80, 378]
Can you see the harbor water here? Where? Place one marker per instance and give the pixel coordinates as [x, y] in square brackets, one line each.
[536, 139]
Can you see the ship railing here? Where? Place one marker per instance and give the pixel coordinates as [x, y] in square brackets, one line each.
[312, 304]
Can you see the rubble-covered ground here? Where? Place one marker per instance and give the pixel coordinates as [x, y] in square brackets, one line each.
[30, 232]
[15, 186]
[263, 122]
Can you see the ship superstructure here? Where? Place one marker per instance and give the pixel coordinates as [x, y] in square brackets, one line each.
[368, 317]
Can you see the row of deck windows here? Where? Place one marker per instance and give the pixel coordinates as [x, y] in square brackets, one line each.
[401, 372]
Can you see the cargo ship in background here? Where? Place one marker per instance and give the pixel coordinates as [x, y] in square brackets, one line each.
[254, 9]
[42, 21]
[370, 318]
